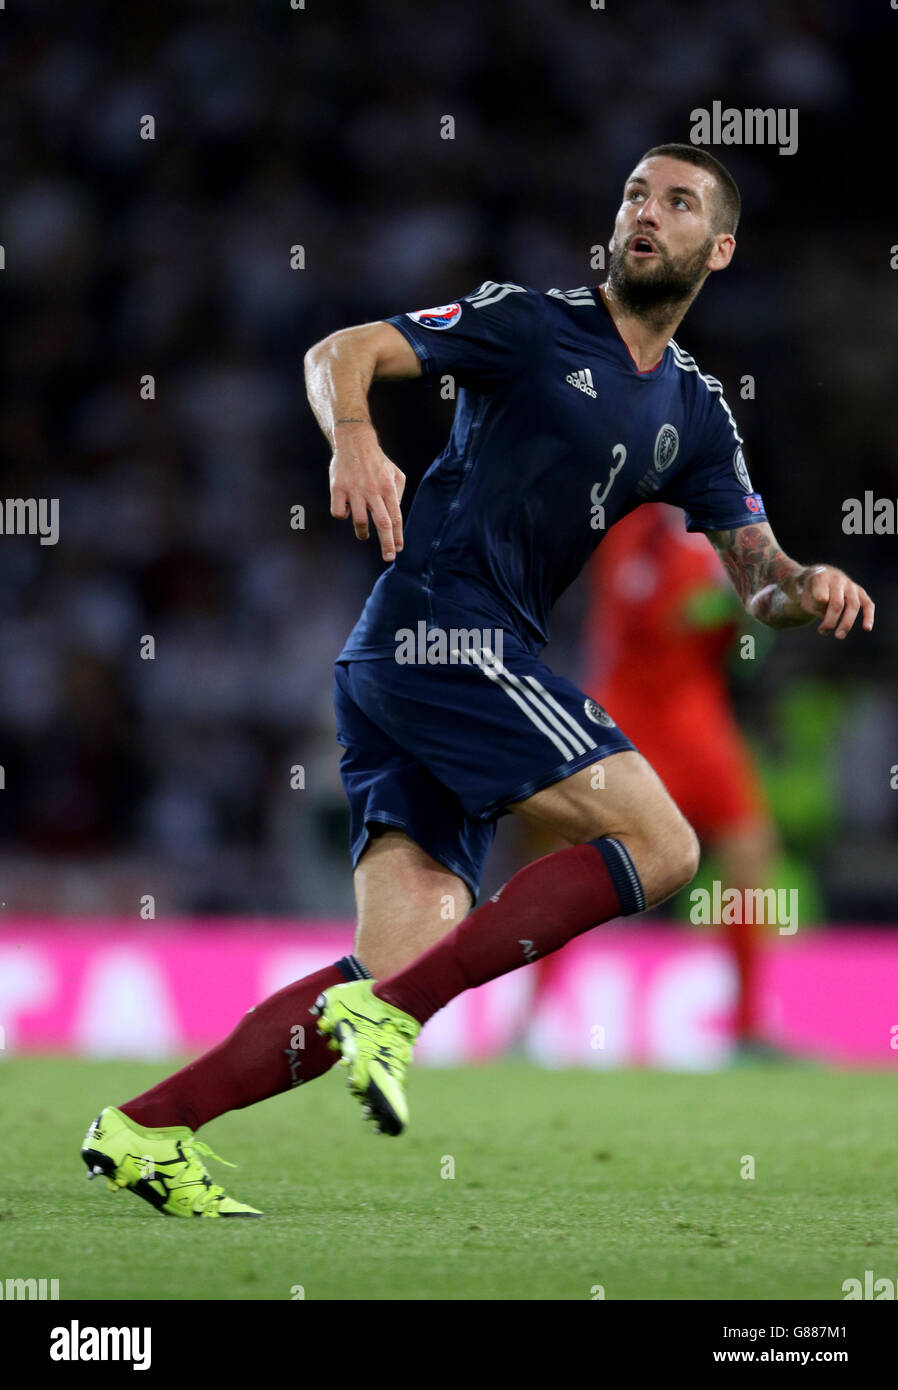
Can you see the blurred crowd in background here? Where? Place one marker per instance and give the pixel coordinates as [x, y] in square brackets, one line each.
[321, 127]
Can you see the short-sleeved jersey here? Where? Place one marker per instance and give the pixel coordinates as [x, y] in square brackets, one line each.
[556, 435]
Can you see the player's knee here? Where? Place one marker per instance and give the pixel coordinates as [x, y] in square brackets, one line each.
[667, 859]
[690, 855]
[681, 858]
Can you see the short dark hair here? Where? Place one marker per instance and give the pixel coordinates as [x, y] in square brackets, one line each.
[727, 202]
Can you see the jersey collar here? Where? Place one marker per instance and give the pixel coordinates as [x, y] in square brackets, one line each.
[649, 371]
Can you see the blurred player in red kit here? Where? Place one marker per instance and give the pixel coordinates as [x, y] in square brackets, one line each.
[660, 626]
[668, 623]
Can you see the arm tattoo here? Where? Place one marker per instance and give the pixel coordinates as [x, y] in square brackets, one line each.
[760, 570]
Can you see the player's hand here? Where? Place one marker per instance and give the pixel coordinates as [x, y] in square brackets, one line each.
[363, 480]
[829, 594]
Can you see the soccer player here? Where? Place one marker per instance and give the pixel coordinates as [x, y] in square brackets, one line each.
[573, 407]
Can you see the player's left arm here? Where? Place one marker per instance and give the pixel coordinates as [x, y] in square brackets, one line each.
[780, 592]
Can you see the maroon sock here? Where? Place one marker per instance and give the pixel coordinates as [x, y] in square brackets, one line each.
[742, 938]
[275, 1046]
[544, 905]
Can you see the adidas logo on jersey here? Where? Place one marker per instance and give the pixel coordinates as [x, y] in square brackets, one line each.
[582, 380]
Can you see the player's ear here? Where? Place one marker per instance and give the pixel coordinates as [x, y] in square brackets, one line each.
[611, 243]
[722, 254]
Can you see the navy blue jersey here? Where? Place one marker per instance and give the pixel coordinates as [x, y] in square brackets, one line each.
[556, 435]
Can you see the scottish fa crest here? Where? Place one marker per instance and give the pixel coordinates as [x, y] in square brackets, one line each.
[666, 446]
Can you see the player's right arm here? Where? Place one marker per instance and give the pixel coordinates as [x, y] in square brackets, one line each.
[780, 592]
[339, 371]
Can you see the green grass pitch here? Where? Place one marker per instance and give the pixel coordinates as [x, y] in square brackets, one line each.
[562, 1181]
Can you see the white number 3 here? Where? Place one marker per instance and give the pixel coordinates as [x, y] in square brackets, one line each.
[619, 454]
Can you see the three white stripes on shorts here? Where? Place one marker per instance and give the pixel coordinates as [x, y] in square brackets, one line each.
[540, 707]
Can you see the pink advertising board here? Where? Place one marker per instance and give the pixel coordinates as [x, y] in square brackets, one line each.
[619, 996]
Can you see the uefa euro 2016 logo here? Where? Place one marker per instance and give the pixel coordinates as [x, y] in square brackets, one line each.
[442, 316]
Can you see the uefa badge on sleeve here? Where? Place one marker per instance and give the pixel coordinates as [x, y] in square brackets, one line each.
[443, 316]
[741, 469]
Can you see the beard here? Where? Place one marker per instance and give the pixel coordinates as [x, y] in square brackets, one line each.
[667, 286]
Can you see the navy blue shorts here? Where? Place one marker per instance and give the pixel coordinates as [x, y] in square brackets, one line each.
[439, 751]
